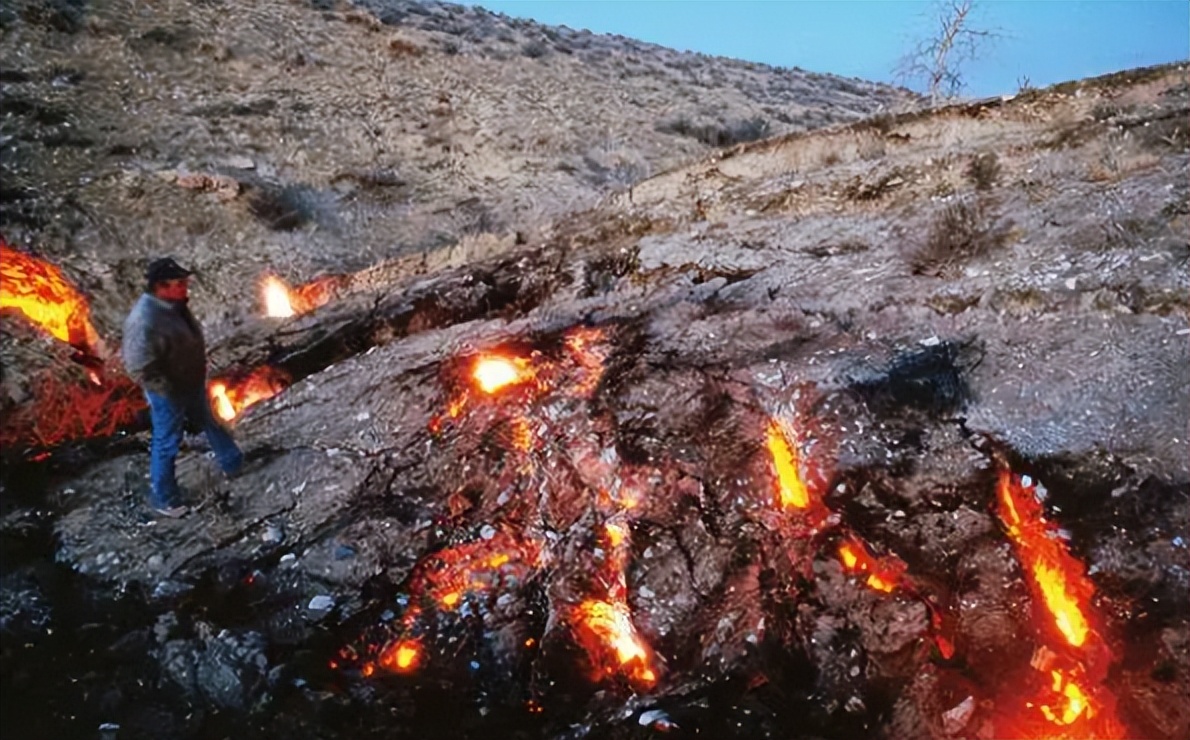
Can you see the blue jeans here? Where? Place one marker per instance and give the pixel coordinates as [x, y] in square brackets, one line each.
[169, 424]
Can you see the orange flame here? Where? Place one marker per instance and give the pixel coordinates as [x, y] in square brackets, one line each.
[38, 290]
[1071, 700]
[884, 574]
[494, 372]
[230, 397]
[790, 488]
[403, 656]
[282, 301]
[605, 629]
[1073, 697]
[1056, 575]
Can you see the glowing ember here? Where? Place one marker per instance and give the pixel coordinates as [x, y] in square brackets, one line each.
[403, 656]
[883, 574]
[43, 295]
[522, 435]
[474, 570]
[230, 396]
[791, 491]
[605, 628]
[1075, 701]
[586, 348]
[276, 298]
[1056, 575]
[615, 534]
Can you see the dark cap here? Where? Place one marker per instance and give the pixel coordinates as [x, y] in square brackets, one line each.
[165, 268]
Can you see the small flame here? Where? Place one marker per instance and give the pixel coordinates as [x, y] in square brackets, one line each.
[1075, 701]
[229, 397]
[604, 626]
[403, 656]
[615, 534]
[39, 291]
[883, 574]
[493, 373]
[791, 491]
[277, 303]
[222, 403]
[282, 301]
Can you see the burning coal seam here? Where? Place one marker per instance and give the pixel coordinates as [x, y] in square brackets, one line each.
[525, 393]
[511, 389]
[537, 399]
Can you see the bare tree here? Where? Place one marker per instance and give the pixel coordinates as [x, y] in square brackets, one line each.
[937, 61]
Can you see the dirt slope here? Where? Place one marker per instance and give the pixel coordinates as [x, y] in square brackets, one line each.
[340, 135]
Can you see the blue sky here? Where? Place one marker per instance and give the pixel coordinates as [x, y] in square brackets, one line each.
[1046, 41]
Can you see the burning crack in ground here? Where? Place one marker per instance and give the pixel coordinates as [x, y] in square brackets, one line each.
[531, 401]
[1067, 696]
[582, 560]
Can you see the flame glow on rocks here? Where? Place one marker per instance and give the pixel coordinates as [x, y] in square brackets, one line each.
[606, 631]
[441, 583]
[1069, 699]
[39, 291]
[231, 395]
[603, 625]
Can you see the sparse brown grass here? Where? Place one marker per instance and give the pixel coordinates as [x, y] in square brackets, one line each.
[960, 232]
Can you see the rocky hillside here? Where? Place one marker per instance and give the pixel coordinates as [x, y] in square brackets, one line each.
[731, 381]
[324, 136]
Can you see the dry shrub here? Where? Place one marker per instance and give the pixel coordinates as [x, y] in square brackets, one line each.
[870, 146]
[399, 47]
[860, 190]
[960, 232]
[984, 171]
[1074, 135]
[717, 134]
[1171, 134]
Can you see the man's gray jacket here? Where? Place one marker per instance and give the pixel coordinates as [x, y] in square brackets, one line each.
[164, 349]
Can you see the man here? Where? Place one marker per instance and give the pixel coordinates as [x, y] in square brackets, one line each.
[165, 353]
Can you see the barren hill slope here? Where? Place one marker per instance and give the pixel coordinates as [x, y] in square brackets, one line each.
[323, 136]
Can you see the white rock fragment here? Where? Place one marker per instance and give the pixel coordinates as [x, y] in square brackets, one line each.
[321, 603]
[955, 719]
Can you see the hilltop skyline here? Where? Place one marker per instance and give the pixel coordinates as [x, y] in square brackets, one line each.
[1042, 43]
